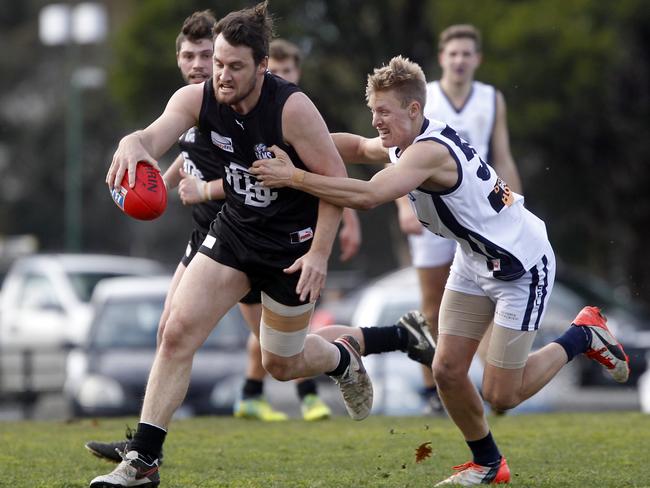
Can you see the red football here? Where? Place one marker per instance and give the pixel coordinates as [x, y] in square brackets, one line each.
[147, 200]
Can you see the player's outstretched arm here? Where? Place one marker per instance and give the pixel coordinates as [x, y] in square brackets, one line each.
[417, 164]
[181, 113]
[357, 149]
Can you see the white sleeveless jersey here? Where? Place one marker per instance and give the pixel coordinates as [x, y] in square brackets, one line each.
[489, 222]
[474, 121]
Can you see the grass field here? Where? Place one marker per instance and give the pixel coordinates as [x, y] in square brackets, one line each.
[581, 450]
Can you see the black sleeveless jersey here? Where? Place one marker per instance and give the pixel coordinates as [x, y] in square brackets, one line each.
[200, 160]
[269, 220]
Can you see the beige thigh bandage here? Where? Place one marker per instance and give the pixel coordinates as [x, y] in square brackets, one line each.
[509, 348]
[283, 328]
[465, 315]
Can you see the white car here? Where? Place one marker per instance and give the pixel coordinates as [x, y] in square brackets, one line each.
[107, 374]
[45, 297]
[397, 380]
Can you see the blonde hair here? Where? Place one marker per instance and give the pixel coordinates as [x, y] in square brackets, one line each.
[402, 75]
[460, 31]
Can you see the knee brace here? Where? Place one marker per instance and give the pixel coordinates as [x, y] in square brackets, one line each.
[283, 329]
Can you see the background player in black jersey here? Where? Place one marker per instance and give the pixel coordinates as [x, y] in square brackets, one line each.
[284, 60]
[277, 241]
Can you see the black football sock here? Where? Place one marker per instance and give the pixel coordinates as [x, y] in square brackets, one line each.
[485, 451]
[148, 441]
[252, 389]
[575, 341]
[344, 361]
[384, 339]
[306, 387]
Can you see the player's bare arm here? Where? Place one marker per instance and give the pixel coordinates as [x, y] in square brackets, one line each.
[503, 162]
[408, 221]
[305, 130]
[350, 234]
[172, 176]
[357, 149]
[181, 113]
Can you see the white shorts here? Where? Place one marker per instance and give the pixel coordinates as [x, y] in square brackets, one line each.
[429, 250]
[519, 304]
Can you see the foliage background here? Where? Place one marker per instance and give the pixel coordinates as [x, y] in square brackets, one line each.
[575, 74]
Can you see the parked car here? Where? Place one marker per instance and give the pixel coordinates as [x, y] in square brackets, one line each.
[397, 380]
[45, 297]
[644, 388]
[107, 375]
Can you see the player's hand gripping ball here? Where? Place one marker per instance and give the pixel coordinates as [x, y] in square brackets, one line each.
[147, 200]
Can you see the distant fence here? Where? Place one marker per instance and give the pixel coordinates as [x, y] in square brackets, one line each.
[26, 374]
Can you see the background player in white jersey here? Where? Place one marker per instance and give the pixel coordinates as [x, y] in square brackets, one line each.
[477, 112]
[502, 272]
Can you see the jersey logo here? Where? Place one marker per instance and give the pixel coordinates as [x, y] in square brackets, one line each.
[501, 196]
[189, 136]
[240, 124]
[301, 236]
[189, 167]
[262, 152]
[222, 142]
[245, 184]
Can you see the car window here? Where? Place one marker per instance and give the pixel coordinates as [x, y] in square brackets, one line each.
[392, 312]
[134, 323]
[37, 292]
[84, 283]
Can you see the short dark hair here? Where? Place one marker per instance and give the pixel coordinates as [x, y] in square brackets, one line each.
[251, 27]
[460, 31]
[196, 27]
[281, 49]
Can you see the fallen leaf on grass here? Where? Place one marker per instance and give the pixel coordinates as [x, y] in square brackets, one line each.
[422, 452]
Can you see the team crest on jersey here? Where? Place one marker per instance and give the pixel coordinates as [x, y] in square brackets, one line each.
[222, 142]
[189, 136]
[262, 152]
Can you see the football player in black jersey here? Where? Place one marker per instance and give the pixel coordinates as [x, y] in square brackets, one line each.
[278, 241]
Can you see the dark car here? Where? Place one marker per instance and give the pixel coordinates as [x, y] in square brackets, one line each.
[108, 374]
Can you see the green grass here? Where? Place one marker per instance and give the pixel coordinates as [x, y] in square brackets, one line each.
[581, 450]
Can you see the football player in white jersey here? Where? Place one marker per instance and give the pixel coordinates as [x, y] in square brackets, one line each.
[476, 111]
[503, 269]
